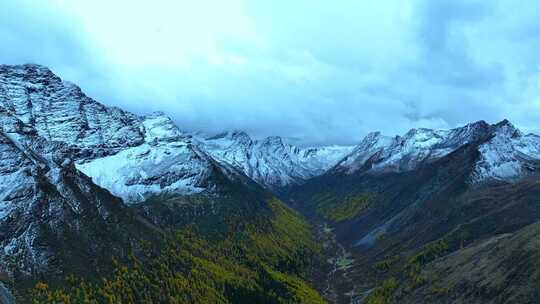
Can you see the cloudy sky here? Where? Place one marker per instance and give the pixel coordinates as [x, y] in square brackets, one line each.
[313, 71]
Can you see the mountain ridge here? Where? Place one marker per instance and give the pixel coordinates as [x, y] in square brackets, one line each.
[507, 155]
[148, 187]
[271, 161]
[69, 163]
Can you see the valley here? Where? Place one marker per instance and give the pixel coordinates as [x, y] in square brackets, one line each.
[100, 205]
[337, 283]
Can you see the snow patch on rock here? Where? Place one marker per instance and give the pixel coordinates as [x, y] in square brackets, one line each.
[507, 155]
[137, 173]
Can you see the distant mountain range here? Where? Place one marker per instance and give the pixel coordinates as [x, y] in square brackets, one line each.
[506, 153]
[79, 179]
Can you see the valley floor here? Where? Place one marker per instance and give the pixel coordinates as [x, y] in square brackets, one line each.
[336, 281]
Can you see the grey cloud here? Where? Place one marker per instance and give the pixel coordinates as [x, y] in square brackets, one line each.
[312, 71]
[31, 33]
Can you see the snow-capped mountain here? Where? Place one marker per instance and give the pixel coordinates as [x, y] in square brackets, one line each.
[59, 111]
[165, 163]
[43, 197]
[270, 161]
[505, 153]
[66, 160]
[403, 153]
[138, 157]
[508, 154]
[133, 157]
[49, 209]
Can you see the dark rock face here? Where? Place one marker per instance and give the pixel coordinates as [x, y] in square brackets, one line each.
[49, 211]
[59, 111]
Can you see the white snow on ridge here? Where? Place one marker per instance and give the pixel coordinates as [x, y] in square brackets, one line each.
[325, 157]
[136, 173]
[166, 163]
[158, 127]
[59, 111]
[372, 144]
[270, 161]
[135, 157]
[507, 155]
[403, 153]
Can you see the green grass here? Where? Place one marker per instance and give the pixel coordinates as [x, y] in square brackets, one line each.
[384, 292]
[429, 253]
[407, 270]
[338, 210]
[386, 264]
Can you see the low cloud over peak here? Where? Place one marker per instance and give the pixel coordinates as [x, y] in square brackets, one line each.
[317, 71]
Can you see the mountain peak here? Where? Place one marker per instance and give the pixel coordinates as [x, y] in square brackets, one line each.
[504, 122]
[28, 71]
[421, 134]
[477, 124]
[60, 111]
[420, 145]
[371, 136]
[506, 128]
[160, 127]
[237, 136]
[240, 136]
[273, 141]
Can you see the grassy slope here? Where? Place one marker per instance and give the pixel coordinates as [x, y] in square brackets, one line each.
[501, 269]
[470, 263]
[239, 244]
[266, 262]
[428, 214]
[339, 209]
